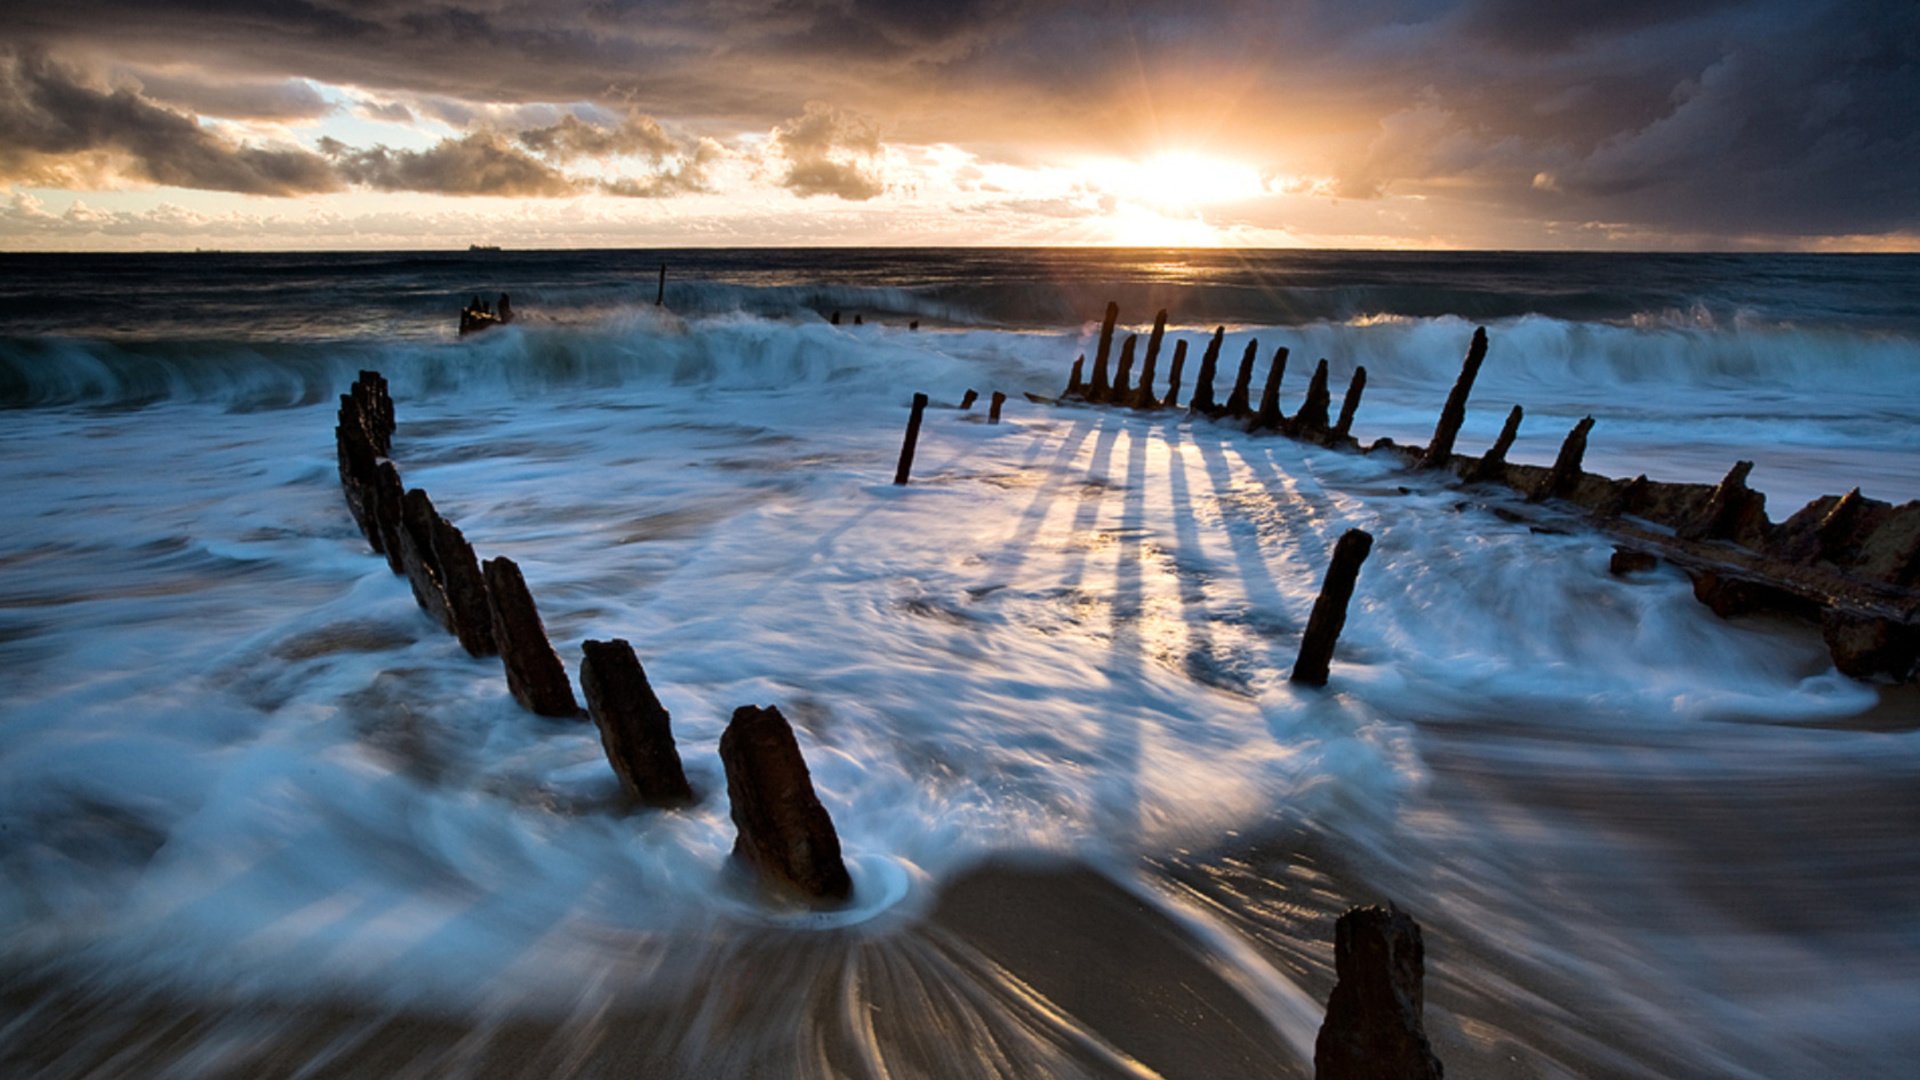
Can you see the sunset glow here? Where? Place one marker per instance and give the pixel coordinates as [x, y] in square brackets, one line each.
[883, 124]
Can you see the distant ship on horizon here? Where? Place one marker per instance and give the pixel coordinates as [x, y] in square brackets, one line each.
[483, 247]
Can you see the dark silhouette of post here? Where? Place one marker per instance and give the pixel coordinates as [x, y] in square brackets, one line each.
[1374, 1028]
[913, 436]
[1311, 421]
[1493, 464]
[1075, 388]
[993, 409]
[1173, 377]
[534, 674]
[967, 399]
[1269, 415]
[660, 295]
[1153, 342]
[1330, 610]
[784, 833]
[1566, 467]
[1202, 401]
[1440, 450]
[1122, 393]
[635, 729]
[1240, 399]
[1351, 403]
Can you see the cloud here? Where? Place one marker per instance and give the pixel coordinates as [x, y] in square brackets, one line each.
[828, 151]
[478, 164]
[573, 138]
[1789, 117]
[286, 99]
[48, 112]
[391, 112]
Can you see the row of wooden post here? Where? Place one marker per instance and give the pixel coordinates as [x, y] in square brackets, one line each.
[784, 832]
[1852, 563]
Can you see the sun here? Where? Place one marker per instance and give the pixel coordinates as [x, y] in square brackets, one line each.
[1175, 179]
[1158, 201]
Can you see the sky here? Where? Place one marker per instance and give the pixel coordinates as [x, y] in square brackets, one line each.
[398, 124]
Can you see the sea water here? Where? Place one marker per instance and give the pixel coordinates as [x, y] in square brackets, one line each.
[244, 774]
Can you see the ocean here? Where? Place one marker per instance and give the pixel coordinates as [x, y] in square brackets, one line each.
[261, 816]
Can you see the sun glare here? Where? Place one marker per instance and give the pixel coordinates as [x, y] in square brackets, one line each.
[1177, 180]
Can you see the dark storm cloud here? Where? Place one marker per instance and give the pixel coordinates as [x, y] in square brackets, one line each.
[1781, 117]
[47, 113]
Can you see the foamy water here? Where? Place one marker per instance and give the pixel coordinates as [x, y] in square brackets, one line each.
[242, 767]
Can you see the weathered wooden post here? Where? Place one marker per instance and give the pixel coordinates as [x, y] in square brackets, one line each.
[1330, 610]
[1566, 467]
[1440, 450]
[1269, 416]
[660, 295]
[784, 833]
[416, 554]
[1735, 512]
[1311, 421]
[1173, 377]
[1122, 393]
[1153, 341]
[905, 468]
[1350, 404]
[1493, 464]
[635, 730]
[993, 408]
[1098, 390]
[388, 496]
[1143, 395]
[1074, 387]
[1202, 400]
[967, 399]
[1375, 1027]
[1239, 399]
[466, 588]
[534, 674]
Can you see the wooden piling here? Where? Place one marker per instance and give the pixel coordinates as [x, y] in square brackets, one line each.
[660, 294]
[1269, 417]
[784, 833]
[1153, 343]
[1098, 388]
[1350, 404]
[1440, 450]
[534, 673]
[1311, 421]
[1493, 464]
[1240, 398]
[388, 496]
[1375, 1026]
[1143, 395]
[1202, 401]
[905, 468]
[1566, 467]
[466, 588]
[1330, 609]
[1173, 377]
[1075, 389]
[967, 399]
[1122, 392]
[416, 554]
[1735, 512]
[993, 409]
[635, 730]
